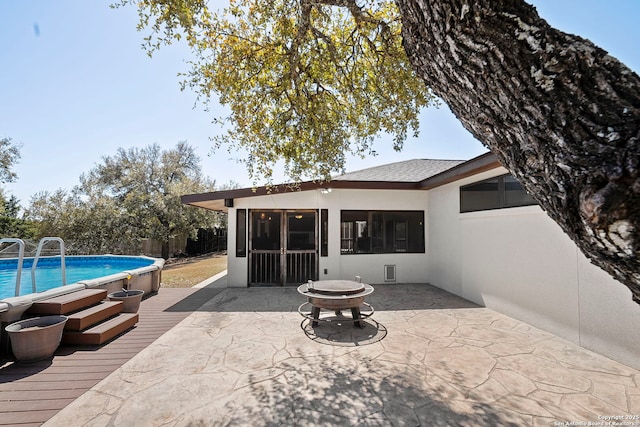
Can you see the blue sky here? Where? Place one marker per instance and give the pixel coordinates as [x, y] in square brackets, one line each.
[75, 86]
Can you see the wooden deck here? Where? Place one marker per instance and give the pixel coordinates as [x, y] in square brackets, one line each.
[30, 394]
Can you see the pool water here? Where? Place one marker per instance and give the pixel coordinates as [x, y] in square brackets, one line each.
[77, 268]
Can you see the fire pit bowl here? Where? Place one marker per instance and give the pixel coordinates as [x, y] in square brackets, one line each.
[336, 295]
[336, 304]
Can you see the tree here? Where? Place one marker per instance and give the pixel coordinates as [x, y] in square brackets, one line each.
[145, 186]
[90, 224]
[305, 98]
[560, 113]
[10, 224]
[131, 196]
[9, 155]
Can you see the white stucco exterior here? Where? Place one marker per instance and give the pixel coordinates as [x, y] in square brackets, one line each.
[519, 262]
[516, 261]
[410, 268]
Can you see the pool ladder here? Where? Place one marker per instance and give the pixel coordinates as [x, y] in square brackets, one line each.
[41, 244]
[20, 244]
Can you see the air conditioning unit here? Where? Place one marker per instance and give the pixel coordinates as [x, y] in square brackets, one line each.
[389, 273]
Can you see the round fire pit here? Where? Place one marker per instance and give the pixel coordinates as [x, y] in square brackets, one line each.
[336, 295]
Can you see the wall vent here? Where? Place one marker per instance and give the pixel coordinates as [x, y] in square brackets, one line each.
[389, 273]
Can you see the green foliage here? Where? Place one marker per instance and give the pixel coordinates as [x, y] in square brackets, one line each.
[131, 196]
[9, 155]
[10, 224]
[306, 82]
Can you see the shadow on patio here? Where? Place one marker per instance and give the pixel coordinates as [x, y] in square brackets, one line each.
[354, 390]
[243, 359]
[276, 299]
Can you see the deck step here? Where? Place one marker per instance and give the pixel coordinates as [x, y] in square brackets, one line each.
[65, 304]
[102, 332]
[93, 315]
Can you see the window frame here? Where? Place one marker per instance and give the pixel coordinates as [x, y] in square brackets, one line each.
[494, 201]
[241, 233]
[324, 232]
[366, 232]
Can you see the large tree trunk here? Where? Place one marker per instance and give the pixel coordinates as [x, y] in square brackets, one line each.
[560, 113]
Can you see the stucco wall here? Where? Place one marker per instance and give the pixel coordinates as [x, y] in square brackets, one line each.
[236, 267]
[519, 262]
[410, 268]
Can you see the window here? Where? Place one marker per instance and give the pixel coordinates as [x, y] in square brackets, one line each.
[373, 232]
[494, 193]
[241, 233]
[515, 194]
[265, 230]
[324, 232]
[301, 231]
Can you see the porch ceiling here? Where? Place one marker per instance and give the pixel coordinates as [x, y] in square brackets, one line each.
[212, 205]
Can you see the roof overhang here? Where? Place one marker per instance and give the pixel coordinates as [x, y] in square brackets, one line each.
[223, 200]
[474, 166]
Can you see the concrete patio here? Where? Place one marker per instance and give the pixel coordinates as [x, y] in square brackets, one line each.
[430, 358]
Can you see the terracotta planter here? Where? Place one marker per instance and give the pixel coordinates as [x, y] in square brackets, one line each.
[131, 300]
[37, 338]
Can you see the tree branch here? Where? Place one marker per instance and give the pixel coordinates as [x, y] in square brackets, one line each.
[560, 113]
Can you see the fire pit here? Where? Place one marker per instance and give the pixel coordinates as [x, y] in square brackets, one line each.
[335, 295]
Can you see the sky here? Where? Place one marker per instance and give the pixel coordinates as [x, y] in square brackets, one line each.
[75, 85]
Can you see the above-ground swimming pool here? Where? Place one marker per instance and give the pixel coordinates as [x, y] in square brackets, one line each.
[48, 272]
[110, 272]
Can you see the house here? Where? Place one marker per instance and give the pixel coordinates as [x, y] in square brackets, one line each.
[467, 227]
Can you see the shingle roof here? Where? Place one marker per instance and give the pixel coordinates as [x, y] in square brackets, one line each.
[407, 175]
[415, 170]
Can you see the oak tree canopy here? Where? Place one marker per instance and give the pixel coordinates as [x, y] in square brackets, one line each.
[307, 81]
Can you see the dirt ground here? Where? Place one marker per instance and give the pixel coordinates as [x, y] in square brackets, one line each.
[189, 271]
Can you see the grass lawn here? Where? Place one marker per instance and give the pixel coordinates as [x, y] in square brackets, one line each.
[184, 273]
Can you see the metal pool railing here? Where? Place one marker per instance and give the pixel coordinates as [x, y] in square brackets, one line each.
[21, 249]
[20, 244]
[37, 257]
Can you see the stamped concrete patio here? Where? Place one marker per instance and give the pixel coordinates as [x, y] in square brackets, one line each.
[433, 359]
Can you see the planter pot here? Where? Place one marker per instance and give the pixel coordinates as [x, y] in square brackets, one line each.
[131, 300]
[37, 338]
